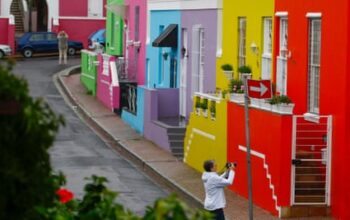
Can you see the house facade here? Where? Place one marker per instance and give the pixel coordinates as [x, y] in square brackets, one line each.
[52, 15]
[314, 54]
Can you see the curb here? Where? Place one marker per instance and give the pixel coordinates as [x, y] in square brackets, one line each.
[116, 144]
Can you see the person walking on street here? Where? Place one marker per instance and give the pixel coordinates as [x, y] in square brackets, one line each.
[214, 185]
[62, 46]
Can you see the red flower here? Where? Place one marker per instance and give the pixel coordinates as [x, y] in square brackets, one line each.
[65, 195]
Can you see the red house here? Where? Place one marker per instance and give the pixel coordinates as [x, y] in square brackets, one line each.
[299, 160]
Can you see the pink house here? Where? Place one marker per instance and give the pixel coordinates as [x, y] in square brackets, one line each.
[130, 65]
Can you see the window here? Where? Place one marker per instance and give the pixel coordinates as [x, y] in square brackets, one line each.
[283, 36]
[137, 23]
[37, 37]
[198, 39]
[267, 48]
[267, 36]
[282, 58]
[51, 37]
[241, 41]
[161, 58]
[314, 58]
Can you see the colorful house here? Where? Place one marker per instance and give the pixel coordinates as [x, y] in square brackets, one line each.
[122, 67]
[135, 51]
[315, 50]
[180, 61]
[298, 158]
[52, 15]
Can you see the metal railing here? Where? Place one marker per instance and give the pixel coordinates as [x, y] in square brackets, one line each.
[311, 151]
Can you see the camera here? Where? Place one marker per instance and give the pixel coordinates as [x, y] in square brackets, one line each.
[231, 164]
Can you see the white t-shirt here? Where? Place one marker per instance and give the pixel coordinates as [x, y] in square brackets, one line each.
[214, 189]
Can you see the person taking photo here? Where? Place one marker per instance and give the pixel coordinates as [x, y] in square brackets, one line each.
[214, 185]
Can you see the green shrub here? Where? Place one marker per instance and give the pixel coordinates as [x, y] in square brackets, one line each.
[278, 99]
[27, 131]
[236, 86]
[213, 108]
[198, 102]
[227, 67]
[245, 69]
[204, 104]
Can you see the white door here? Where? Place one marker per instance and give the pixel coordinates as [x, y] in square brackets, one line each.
[95, 8]
[183, 75]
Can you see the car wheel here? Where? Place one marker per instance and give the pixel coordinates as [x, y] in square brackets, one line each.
[2, 54]
[71, 51]
[27, 52]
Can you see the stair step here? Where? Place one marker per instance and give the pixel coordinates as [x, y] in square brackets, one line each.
[310, 170]
[310, 191]
[176, 136]
[176, 144]
[310, 198]
[310, 184]
[298, 211]
[309, 177]
[176, 130]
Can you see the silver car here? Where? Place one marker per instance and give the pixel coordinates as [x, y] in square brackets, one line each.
[5, 50]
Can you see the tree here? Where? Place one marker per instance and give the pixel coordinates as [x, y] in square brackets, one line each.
[27, 129]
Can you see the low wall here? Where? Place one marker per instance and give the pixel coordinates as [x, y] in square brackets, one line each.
[271, 145]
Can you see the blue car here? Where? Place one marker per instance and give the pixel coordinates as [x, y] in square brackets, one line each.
[98, 36]
[43, 42]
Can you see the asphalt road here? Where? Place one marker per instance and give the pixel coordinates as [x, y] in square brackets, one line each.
[78, 151]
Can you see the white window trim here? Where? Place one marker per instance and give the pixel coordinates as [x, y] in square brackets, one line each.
[281, 14]
[313, 15]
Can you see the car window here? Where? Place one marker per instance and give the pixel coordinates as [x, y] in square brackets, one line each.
[37, 37]
[51, 37]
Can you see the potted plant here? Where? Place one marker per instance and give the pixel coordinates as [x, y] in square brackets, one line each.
[245, 71]
[228, 70]
[236, 89]
[223, 94]
[204, 106]
[281, 104]
[213, 110]
[198, 105]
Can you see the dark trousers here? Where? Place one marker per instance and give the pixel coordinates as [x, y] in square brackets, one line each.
[218, 214]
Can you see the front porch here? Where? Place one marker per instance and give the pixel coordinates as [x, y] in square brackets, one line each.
[290, 159]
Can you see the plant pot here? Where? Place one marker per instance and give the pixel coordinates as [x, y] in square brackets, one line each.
[212, 116]
[228, 74]
[205, 112]
[237, 97]
[197, 111]
[241, 76]
[257, 103]
[284, 108]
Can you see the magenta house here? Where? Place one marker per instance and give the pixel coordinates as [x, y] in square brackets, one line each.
[124, 60]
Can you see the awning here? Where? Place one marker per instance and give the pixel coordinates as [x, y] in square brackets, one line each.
[168, 38]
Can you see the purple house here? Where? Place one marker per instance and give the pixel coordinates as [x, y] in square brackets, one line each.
[181, 60]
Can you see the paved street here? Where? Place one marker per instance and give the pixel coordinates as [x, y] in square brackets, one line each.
[78, 151]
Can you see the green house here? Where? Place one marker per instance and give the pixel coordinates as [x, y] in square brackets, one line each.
[114, 27]
[88, 75]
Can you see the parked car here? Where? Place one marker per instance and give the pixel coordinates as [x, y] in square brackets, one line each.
[43, 42]
[99, 37]
[5, 50]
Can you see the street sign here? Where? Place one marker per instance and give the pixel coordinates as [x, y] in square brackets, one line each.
[260, 89]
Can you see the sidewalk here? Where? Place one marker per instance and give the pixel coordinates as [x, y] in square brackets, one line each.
[156, 162]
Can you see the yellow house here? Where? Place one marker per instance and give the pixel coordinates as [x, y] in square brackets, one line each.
[247, 37]
[244, 38]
